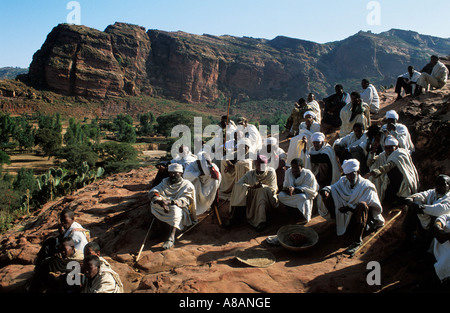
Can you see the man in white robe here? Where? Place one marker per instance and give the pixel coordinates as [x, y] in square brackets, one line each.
[393, 172]
[299, 188]
[353, 146]
[441, 247]
[356, 111]
[173, 202]
[370, 96]
[261, 197]
[437, 79]
[99, 279]
[298, 143]
[206, 178]
[397, 130]
[276, 158]
[424, 207]
[352, 197]
[184, 157]
[251, 132]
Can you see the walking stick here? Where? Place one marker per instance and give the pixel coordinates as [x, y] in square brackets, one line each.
[145, 239]
[228, 110]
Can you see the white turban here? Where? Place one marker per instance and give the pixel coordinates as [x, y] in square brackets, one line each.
[176, 167]
[309, 113]
[390, 141]
[317, 136]
[392, 114]
[204, 157]
[350, 166]
[271, 141]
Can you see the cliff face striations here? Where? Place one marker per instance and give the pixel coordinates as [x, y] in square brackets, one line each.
[128, 60]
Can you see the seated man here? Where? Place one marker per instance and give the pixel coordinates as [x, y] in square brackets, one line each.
[251, 132]
[398, 131]
[353, 146]
[352, 198]
[321, 160]
[242, 164]
[299, 188]
[206, 178]
[370, 96]
[67, 229]
[302, 140]
[333, 104]
[50, 276]
[441, 247]
[424, 207]
[93, 248]
[407, 81]
[296, 116]
[184, 156]
[437, 78]
[99, 279]
[356, 111]
[173, 202]
[276, 158]
[393, 172]
[261, 197]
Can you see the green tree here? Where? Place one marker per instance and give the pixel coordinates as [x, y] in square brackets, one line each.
[124, 128]
[49, 140]
[167, 121]
[146, 126]
[76, 154]
[24, 180]
[24, 133]
[117, 157]
[75, 134]
[7, 129]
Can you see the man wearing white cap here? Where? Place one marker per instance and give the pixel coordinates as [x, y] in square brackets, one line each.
[315, 106]
[393, 172]
[299, 188]
[302, 140]
[353, 199]
[173, 202]
[397, 130]
[276, 158]
[206, 178]
[261, 196]
[321, 160]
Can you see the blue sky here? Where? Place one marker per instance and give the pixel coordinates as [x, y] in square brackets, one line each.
[24, 24]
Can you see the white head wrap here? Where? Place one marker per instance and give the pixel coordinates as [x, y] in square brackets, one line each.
[309, 113]
[176, 167]
[392, 114]
[390, 141]
[317, 136]
[204, 157]
[350, 166]
[271, 141]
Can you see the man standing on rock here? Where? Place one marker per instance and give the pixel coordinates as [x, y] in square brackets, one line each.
[173, 202]
[333, 105]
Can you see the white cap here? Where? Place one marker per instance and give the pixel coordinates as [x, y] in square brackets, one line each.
[176, 167]
[309, 113]
[317, 136]
[350, 166]
[392, 114]
[390, 141]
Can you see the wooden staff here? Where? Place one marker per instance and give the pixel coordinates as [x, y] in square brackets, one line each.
[378, 231]
[145, 239]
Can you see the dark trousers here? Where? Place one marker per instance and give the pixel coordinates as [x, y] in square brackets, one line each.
[401, 83]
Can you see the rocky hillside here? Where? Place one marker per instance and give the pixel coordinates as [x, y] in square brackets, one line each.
[128, 60]
[116, 212]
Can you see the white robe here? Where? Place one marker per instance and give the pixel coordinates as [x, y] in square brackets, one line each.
[302, 201]
[106, 281]
[403, 161]
[295, 149]
[441, 251]
[370, 96]
[205, 186]
[344, 195]
[345, 115]
[401, 133]
[252, 133]
[181, 215]
[316, 109]
[75, 232]
[433, 206]
[351, 141]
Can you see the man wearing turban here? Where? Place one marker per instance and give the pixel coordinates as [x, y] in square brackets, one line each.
[393, 172]
[261, 197]
[173, 202]
[353, 202]
[397, 130]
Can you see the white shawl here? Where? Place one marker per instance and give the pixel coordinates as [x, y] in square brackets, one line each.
[441, 251]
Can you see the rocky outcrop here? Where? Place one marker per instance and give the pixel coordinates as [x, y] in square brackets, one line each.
[127, 60]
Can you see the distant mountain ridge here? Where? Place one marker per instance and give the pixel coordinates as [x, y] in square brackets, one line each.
[11, 72]
[126, 59]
